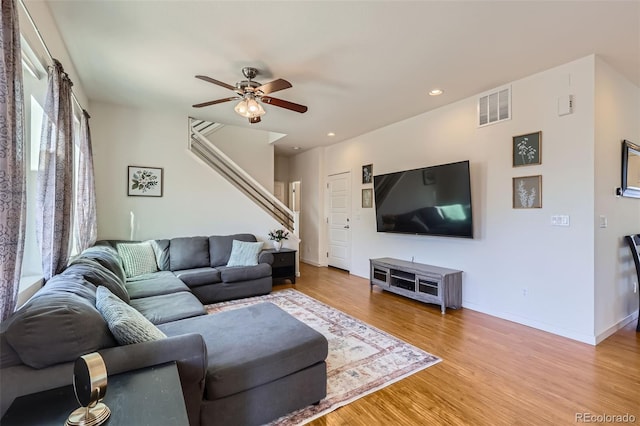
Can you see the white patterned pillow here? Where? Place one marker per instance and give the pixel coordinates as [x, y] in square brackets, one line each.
[127, 325]
[137, 258]
[244, 253]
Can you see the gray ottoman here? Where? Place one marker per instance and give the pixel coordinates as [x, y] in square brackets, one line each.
[262, 363]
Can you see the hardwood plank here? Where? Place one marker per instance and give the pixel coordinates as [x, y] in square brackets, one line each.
[494, 372]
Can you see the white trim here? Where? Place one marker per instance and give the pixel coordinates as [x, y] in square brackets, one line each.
[29, 284]
[617, 326]
[30, 60]
[570, 334]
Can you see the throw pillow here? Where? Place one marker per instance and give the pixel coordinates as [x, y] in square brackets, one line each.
[137, 258]
[244, 253]
[127, 325]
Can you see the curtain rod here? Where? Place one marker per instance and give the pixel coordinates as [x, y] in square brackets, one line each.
[46, 48]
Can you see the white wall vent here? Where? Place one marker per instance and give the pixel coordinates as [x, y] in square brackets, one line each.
[494, 106]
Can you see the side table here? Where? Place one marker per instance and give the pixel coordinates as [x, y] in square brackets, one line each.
[284, 264]
[149, 396]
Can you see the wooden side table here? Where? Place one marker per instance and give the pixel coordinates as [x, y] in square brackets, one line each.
[149, 396]
[284, 265]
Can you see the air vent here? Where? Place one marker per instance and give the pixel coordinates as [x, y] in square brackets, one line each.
[494, 106]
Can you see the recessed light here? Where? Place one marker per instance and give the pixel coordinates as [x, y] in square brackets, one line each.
[436, 92]
[331, 134]
[295, 148]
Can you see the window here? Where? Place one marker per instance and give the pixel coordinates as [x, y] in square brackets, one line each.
[35, 88]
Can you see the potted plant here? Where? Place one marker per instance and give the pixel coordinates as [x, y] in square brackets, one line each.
[277, 235]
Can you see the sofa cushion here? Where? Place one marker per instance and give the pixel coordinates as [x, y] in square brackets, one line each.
[220, 247]
[232, 274]
[66, 324]
[199, 276]
[127, 325]
[244, 253]
[98, 275]
[161, 248]
[137, 258]
[69, 282]
[188, 253]
[251, 346]
[169, 307]
[8, 357]
[107, 257]
[163, 282]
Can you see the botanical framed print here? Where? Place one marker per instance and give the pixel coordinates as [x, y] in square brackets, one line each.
[144, 181]
[367, 198]
[527, 192]
[527, 149]
[367, 173]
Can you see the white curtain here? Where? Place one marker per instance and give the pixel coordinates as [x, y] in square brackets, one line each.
[12, 160]
[55, 174]
[86, 228]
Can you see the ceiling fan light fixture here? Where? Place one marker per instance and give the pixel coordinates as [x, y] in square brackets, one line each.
[249, 108]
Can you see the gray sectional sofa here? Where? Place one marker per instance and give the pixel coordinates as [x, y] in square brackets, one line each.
[242, 367]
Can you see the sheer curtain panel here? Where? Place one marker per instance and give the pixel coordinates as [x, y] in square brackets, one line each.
[12, 160]
[86, 227]
[55, 174]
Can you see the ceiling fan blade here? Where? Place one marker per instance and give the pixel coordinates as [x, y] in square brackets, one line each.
[217, 101]
[219, 83]
[274, 86]
[284, 104]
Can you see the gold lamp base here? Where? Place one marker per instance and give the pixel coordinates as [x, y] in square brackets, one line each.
[85, 416]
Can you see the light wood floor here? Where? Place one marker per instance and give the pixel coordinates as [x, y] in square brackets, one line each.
[494, 372]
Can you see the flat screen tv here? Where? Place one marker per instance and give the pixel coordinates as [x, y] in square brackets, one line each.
[432, 200]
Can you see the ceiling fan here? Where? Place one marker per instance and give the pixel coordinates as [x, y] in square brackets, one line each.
[251, 94]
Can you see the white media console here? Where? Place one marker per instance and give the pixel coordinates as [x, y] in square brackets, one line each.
[426, 283]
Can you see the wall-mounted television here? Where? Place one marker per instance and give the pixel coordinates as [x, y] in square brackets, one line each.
[433, 200]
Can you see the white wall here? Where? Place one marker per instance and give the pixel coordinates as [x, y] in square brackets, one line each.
[248, 148]
[281, 174]
[41, 15]
[307, 168]
[617, 112]
[196, 201]
[513, 250]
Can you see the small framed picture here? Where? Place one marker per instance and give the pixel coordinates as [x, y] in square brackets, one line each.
[144, 181]
[367, 173]
[527, 149]
[527, 192]
[367, 198]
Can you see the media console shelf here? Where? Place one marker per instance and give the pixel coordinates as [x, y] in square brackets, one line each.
[426, 283]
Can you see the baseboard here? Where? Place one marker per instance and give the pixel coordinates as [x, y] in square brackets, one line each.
[584, 338]
[617, 326]
[311, 262]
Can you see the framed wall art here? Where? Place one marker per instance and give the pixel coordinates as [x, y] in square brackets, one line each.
[367, 198]
[367, 173]
[527, 192]
[144, 181]
[527, 149]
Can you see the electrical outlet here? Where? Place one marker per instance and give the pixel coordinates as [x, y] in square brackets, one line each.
[524, 292]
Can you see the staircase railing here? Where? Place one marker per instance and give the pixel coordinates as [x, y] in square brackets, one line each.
[218, 160]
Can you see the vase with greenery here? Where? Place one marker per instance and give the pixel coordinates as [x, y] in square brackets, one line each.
[277, 235]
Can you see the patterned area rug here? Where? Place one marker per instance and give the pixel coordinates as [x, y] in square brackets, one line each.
[361, 360]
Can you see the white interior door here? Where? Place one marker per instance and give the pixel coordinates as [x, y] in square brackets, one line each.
[339, 221]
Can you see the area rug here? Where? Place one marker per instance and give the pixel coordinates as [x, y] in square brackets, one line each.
[362, 359]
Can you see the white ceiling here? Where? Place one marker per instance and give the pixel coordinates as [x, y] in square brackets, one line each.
[357, 65]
